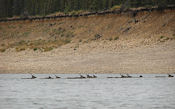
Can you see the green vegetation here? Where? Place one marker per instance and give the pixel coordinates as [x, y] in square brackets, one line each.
[25, 34]
[116, 38]
[110, 39]
[42, 45]
[18, 49]
[165, 38]
[86, 41]
[61, 32]
[35, 49]
[66, 41]
[173, 36]
[20, 26]
[2, 50]
[11, 34]
[115, 7]
[161, 37]
[11, 26]
[25, 8]
[80, 40]
[46, 49]
[76, 12]
[97, 36]
[22, 42]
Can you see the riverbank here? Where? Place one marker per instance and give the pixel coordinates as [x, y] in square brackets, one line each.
[157, 58]
[95, 44]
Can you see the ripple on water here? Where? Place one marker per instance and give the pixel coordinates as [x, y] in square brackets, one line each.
[102, 92]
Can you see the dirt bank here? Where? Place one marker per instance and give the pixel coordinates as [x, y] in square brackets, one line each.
[96, 44]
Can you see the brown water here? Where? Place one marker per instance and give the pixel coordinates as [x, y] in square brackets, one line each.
[100, 93]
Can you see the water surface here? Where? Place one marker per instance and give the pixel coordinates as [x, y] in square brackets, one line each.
[100, 93]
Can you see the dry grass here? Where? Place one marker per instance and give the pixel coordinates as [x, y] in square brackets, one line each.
[42, 45]
[18, 49]
[116, 7]
[76, 12]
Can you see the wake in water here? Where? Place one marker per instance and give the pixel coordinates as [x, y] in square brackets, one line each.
[94, 76]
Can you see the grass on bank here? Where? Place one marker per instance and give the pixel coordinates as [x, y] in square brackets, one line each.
[2, 50]
[173, 36]
[115, 38]
[164, 38]
[35, 45]
[116, 7]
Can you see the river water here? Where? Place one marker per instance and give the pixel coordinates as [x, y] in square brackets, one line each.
[100, 93]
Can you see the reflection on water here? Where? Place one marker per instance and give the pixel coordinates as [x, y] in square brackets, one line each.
[99, 93]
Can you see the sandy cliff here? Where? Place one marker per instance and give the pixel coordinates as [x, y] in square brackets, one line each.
[114, 43]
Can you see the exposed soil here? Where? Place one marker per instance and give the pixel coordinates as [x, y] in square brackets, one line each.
[113, 43]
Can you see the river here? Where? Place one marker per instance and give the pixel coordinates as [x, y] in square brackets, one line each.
[98, 93]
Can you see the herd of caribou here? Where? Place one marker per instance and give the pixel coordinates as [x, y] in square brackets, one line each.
[94, 76]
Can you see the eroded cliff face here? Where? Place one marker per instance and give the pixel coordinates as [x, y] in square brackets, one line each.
[145, 28]
[117, 43]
